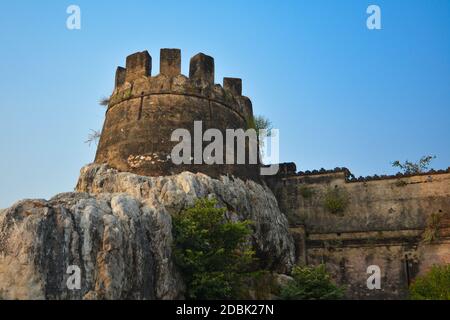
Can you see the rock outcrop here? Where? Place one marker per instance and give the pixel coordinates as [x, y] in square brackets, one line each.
[116, 228]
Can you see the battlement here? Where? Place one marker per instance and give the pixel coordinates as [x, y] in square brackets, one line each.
[138, 64]
[144, 110]
[135, 81]
[288, 170]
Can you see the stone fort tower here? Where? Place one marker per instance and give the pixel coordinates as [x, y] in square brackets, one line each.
[144, 110]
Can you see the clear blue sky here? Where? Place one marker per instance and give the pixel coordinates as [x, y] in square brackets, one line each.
[340, 94]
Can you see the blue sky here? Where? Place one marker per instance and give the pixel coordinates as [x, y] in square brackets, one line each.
[341, 95]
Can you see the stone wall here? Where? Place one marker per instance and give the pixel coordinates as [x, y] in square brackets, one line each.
[381, 221]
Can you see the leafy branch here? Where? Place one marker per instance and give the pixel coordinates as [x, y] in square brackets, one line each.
[409, 167]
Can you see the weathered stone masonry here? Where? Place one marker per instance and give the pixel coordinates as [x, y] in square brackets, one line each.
[384, 218]
[382, 224]
[144, 110]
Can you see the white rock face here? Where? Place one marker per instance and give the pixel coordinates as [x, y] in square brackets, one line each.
[117, 229]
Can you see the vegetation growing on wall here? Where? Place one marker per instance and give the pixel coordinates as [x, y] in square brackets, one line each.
[127, 94]
[431, 232]
[306, 192]
[311, 283]
[212, 252]
[419, 166]
[261, 123]
[104, 101]
[93, 137]
[400, 183]
[336, 200]
[435, 285]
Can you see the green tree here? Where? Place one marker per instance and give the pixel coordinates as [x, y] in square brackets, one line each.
[213, 253]
[262, 123]
[311, 283]
[434, 285]
[409, 167]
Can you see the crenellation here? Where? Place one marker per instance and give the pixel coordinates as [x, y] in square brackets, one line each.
[137, 65]
[289, 170]
[334, 218]
[170, 62]
[120, 76]
[234, 85]
[135, 80]
[201, 68]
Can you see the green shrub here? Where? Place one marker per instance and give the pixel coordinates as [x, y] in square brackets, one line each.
[260, 123]
[336, 200]
[127, 94]
[212, 253]
[306, 192]
[311, 283]
[435, 285]
[400, 183]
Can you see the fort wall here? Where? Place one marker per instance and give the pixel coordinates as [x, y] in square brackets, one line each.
[400, 223]
[384, 221]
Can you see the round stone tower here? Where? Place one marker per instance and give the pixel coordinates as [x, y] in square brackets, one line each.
[144, 111]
